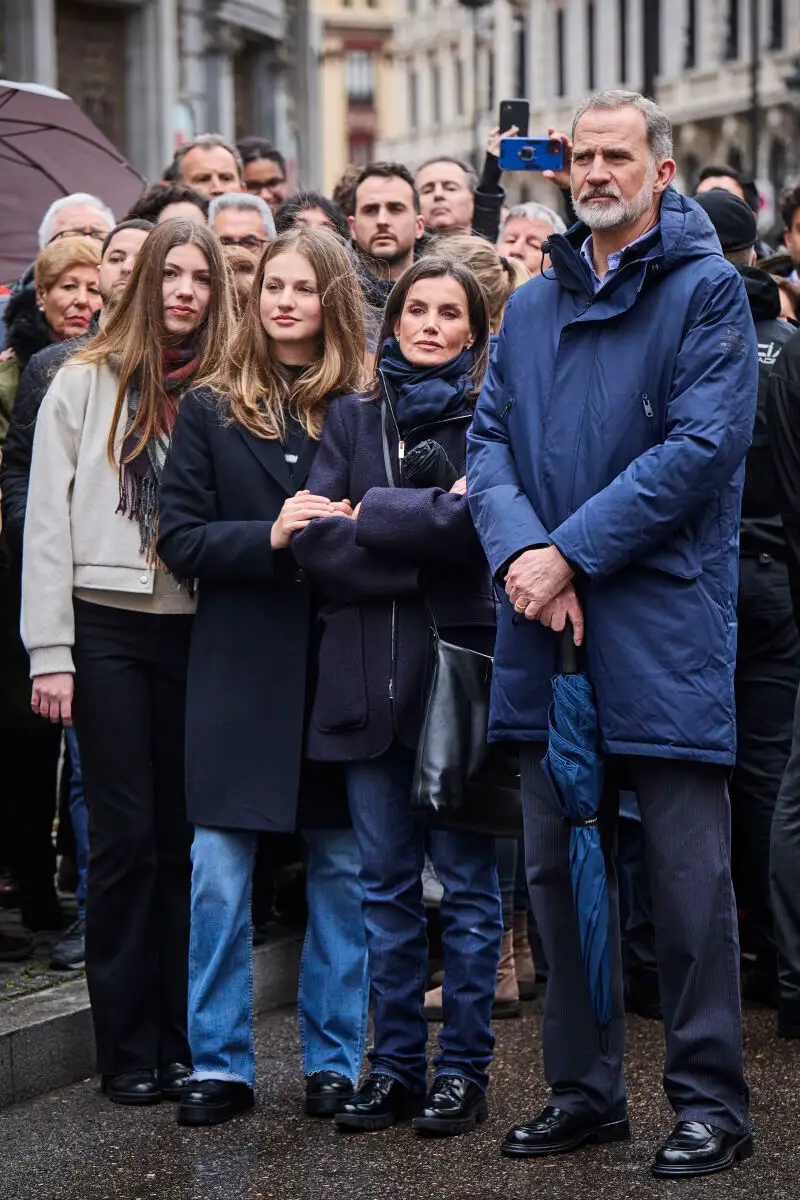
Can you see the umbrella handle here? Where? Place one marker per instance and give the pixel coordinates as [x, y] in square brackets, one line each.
[570, 654]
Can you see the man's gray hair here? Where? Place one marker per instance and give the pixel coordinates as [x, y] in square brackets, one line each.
[206, 141]
[82, 198]
[469, 171]
[535, 212]
[243, 201]
[659, 126]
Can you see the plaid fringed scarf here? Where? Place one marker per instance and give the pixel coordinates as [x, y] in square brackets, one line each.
[139, 477]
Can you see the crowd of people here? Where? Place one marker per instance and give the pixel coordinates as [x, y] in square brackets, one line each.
[220, 578]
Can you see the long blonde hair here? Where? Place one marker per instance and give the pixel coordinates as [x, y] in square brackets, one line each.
[135, 337]
[498, 277]
[257, 390]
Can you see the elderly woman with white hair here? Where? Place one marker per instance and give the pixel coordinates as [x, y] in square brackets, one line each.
[526, 228]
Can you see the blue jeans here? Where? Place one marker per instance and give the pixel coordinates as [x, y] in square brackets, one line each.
[392, 848]
[221, 958]
[333, 998]
[79, 815]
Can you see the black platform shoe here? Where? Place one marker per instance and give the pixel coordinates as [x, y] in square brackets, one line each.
[378, 1104]
[454, 1105]
[213, 1101]
[326, 1091]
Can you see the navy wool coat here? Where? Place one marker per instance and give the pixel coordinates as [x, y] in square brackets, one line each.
[614, 425]
[407, 548]
[221, 491]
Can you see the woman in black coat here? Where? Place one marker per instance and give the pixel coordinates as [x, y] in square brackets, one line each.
[233, 493]
[405, 551]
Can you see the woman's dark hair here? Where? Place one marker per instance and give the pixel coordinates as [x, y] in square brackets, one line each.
[152, 203]
[441, 267]
[286, 216]
[253, 149]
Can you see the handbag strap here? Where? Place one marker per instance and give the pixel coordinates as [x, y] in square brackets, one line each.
[386, 390]
[387, 462]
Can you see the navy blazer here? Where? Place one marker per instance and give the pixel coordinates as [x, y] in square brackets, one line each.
[221, 491]
[408, 548]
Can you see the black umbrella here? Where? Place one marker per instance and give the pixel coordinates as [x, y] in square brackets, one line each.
[50, 149]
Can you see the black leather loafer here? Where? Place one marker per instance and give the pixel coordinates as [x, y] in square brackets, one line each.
[213, 1101]
[378, 1104]
[695, 1148]
[557, 1132]
[326, 1092]
[454, 1105]
[174, 1078]
[133, 1087]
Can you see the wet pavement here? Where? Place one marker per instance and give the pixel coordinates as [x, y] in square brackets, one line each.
[73, 1145]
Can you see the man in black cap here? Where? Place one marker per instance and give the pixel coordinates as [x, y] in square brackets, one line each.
[768, 652]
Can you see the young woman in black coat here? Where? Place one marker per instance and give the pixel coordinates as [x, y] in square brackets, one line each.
[233, 493]
[404, 551]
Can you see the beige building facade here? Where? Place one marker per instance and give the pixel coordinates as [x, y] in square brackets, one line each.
[695, 55]
[153, 73]
[356, 84]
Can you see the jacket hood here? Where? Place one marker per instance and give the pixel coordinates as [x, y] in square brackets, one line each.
[763, 294]
[685, 232]
[28, 331]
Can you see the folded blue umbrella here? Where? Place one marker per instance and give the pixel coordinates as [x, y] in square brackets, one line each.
[575, 769]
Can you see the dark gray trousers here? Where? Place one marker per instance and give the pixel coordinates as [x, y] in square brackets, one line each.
[686, 822]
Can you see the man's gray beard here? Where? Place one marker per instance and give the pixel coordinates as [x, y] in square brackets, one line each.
[620, 213]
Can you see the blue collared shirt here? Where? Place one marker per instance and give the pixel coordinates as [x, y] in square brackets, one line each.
[614, 260]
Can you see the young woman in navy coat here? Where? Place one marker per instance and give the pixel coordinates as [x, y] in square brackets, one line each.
[403, 551]
[233, 493]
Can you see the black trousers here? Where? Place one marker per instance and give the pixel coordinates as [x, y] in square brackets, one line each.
[130, 700]
[686, 828]
[30, 771]
[766, 682]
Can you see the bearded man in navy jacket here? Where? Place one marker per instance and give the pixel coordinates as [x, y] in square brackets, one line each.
[605, 475]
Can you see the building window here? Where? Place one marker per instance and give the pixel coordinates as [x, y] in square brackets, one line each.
[458, 74]
[490, 81]
[561, 80]
[360, 76]
[622, 21]
[412, 5]
[776, 25]
[520, 35]
[436, 93]
[690, 36]
[413, 99]
[372, 3]
[732, 37]
[590, 45]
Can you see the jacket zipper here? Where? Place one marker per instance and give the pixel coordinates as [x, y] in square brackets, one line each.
[401, 453]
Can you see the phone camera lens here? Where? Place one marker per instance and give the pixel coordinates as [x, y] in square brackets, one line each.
[527, 154]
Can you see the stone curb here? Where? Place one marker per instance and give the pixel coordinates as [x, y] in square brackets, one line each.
[47, 1041]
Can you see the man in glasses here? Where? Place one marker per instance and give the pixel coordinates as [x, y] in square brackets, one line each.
[264, 171]
[241, 220]
[79, 215]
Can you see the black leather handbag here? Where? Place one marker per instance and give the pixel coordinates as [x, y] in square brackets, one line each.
[461, 781]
